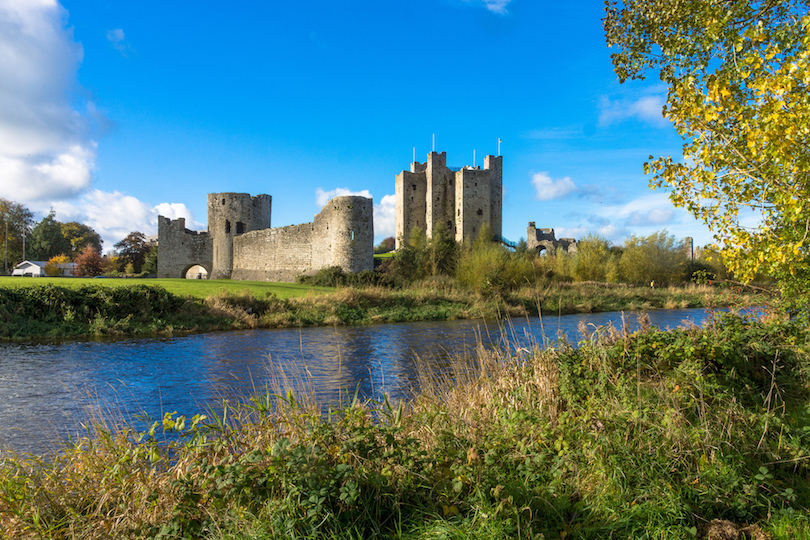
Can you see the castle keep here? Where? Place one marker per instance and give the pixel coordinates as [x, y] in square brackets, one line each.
[240, 244]
[461, 199]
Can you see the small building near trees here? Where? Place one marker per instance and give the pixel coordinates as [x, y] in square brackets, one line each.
[37, 269]
[30, 268]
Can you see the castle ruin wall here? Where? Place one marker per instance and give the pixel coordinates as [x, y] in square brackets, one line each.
[342, 234]
[179, 248]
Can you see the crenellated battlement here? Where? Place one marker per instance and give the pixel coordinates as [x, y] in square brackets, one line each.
[462, 199]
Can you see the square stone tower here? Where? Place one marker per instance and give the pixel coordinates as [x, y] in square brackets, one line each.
[462, 199]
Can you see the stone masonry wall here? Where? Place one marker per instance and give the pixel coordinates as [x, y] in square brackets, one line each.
[229, 216]
[180, 248]
[342, 234]
[277, 254]
[472, 203]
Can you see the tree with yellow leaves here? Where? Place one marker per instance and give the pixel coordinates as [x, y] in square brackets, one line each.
[56, 265]
[738, 78]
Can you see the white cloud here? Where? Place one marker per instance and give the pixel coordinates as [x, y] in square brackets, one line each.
[44, 148]
[119, 42]
[322, 197]
[648, 109]
[385, 214]
[179, 210]
[497, 6]
[547, 188]
[114, 215]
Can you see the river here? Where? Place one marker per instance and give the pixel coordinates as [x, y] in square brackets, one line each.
[48, 389]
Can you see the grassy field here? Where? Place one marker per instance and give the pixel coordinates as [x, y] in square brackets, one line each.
[196, 288]
[693, 433]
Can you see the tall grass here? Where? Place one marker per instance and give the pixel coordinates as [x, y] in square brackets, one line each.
[630, 435]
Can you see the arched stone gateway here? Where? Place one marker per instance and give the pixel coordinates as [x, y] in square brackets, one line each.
[196, 271]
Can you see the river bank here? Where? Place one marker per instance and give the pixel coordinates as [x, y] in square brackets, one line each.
[646, 434]
[52, 311]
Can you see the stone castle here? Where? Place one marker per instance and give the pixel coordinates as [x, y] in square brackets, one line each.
[241, 245]
[462, 199]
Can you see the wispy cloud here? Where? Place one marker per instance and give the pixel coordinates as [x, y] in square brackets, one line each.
[647, 109]
[118, 40]
[495, 6]
[547, 188]
[652, 210]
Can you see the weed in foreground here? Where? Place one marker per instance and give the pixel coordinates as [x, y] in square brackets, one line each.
[631, 435]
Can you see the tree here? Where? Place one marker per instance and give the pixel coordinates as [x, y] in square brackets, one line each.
[150, 261]
[658, 257]
[442, 253]
[387, 245]
[80, 236]
[15, 224]
[47, 239]
[132, 250]
[54, 265]
[593, 259]
[89, 262]
[737, 73]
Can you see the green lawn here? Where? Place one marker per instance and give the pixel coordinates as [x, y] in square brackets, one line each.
[199, 288]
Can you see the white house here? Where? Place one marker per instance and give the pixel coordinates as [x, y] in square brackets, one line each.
[37, 269]
[29, 268]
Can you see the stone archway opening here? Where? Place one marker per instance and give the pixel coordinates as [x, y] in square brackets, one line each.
[196, 272]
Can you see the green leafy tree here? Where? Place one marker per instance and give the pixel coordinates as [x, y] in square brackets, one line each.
[47, 239]
[658, 258]
[150, 261]
[15, 224]
[387, 245]
[80, 236]
[737, 73]
[593, 259]
[442, 252]
[132, 250]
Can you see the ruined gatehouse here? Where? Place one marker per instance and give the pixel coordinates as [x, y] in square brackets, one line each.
[540, 240]
[241, 245]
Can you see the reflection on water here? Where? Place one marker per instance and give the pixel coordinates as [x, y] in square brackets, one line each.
[47, 390]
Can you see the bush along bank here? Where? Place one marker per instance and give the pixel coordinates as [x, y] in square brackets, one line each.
[52, 311]
[652, 434]
[443, 299]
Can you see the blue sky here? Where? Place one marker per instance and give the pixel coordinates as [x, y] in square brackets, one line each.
[114, 112]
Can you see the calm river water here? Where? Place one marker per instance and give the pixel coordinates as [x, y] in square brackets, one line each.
[48, 389]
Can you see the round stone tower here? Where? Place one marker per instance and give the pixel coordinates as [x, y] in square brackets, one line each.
[352, 233]
[229, 215]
